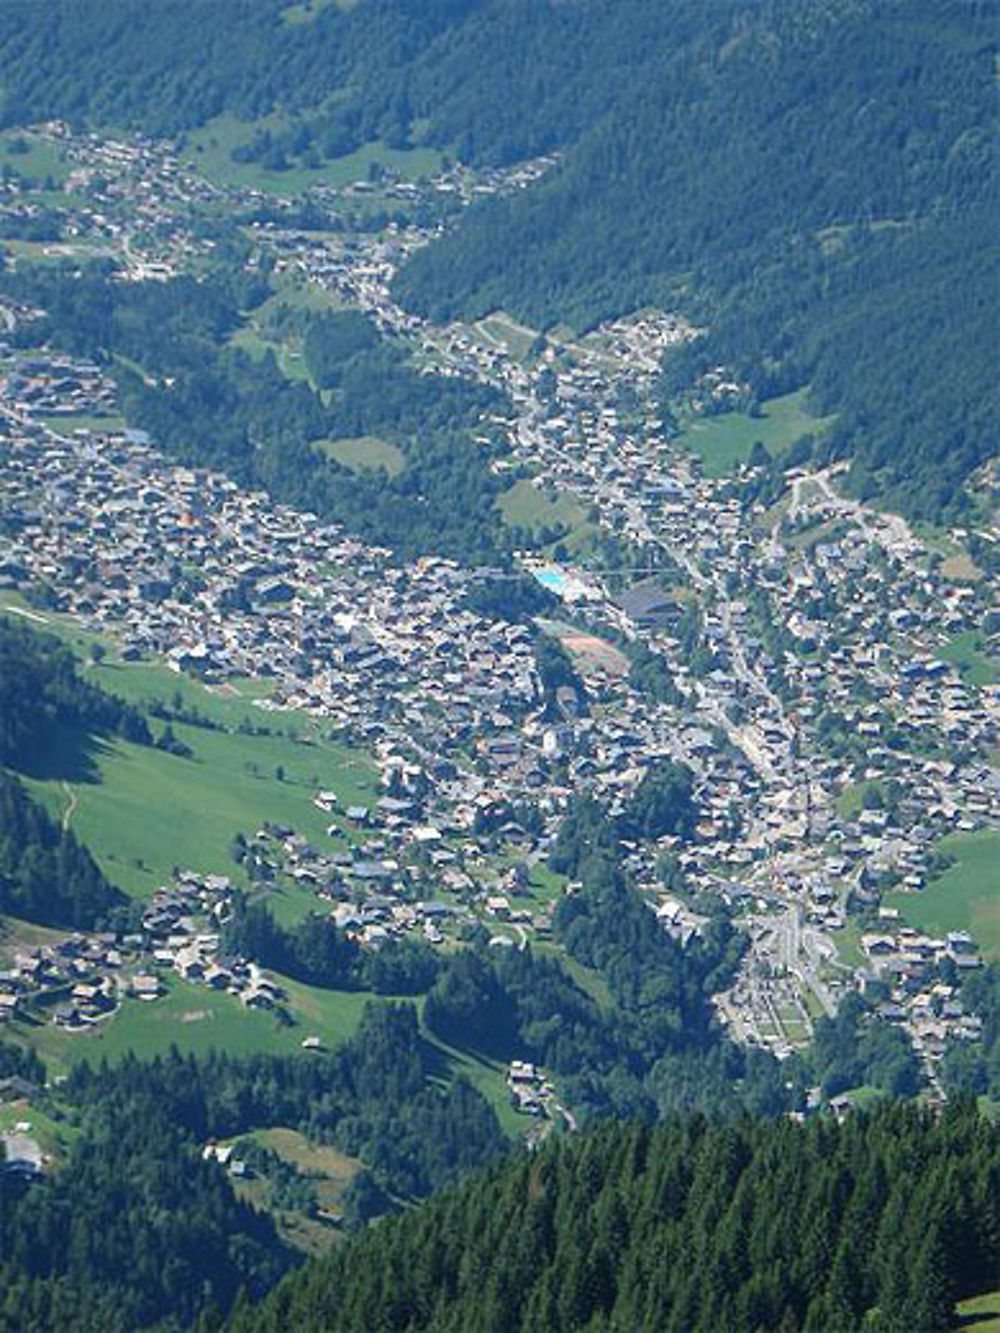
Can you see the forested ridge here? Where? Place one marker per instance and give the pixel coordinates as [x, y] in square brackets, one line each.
[879, 1223]
[816, 186]
[135, 1230]
[813, 183]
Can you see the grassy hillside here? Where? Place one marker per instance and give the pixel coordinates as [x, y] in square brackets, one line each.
[965, 897]
[724, 441]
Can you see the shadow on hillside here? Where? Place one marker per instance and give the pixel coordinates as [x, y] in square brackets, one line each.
[69, 754]
[445, 1058]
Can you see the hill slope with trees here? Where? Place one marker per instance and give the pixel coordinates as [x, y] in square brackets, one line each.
[813, 183]
[878, 1224]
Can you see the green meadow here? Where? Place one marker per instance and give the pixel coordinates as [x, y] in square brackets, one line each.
[328, 1170]
[528, 506]
[364, 453]
[196, 1020]
[851, 800]
[66, 423]
[501, 330]
[723, 442]
[143, 811]
[249, 339]
[966, 896]
[33, 157]
[970, 653]
[149, 811]
[979, 1314]
[209, 150]
[486, 1076]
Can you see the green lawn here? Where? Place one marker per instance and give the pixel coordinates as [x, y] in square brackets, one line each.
[364, 453]
[865, 1096]
[724, 441]
[250, 340]
[110, 424]
[980, 1314]
[289, 904]
[545, 884]
[329, 1171]
[231, 703]
[209, 150]
[331, 1015]
[527, 506]
[965, 897]
[499, 329]
[977, 665]
[851, 800]
[293, 291]
[42, 159]
[55, 252]
[277, 326]
[310, 1158]
[848, 942]
[152, 811]
[161, 810]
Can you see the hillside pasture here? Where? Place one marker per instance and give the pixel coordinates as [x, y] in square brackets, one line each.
[725, 441]
[965, 897]
[209, 151]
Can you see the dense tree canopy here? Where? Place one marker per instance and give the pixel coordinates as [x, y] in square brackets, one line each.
[878, 1224]
[317, 952]
[136, 1230]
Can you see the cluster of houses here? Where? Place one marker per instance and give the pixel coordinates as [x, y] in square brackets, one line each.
[129, 198]
[79, 980]
[57, 386]
[530, 1091]
[924, 974]
[824, 636]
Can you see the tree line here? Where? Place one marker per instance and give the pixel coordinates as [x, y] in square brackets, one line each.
[876, 1224]
[135, 1230]
[43, 699]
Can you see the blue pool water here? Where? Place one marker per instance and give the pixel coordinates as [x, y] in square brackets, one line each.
[553, 579]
